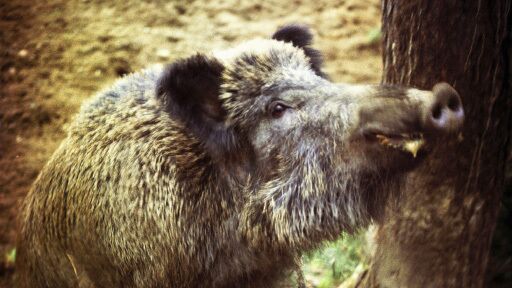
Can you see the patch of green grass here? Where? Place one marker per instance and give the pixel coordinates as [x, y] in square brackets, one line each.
[374, 35]
[10, 257]
[335, 262]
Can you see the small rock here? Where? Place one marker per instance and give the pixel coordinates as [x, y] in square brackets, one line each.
[23, 53]
[44, 74]
[172, 38]
[105, 38]
[181, 9]
[163, 53]
[226, 18]
[12, 71]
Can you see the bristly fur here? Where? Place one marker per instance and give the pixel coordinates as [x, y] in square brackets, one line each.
[300, 36]
[189, 90]
[184, 176]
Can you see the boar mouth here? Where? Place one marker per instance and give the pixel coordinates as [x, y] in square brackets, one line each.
[408, 142]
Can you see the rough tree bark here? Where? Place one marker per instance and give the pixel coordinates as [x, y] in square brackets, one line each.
[441, 234]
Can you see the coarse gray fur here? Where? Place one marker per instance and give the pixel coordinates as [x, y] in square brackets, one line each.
[135, 196]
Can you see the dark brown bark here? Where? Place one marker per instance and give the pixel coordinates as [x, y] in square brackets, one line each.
[441, 234]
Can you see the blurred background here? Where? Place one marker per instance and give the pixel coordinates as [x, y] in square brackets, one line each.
[57, 53]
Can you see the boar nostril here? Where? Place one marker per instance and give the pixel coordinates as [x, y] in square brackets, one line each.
[436, 111]
[445, 112]
[454, 103]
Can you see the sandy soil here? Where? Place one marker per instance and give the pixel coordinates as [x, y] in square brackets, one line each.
[56, 53]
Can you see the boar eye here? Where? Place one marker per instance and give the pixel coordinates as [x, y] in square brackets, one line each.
[277, 109]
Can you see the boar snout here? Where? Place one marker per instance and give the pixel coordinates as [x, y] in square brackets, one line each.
[444, 112]
[409, 119]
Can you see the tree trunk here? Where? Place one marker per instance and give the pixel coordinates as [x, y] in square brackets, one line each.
[441, 234]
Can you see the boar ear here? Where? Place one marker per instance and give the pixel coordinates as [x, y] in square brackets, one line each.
[300, 36]
[189, 90]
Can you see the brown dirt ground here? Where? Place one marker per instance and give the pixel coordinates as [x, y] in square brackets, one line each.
[56, 53]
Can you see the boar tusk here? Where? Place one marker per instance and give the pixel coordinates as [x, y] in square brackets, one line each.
[413, 146]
